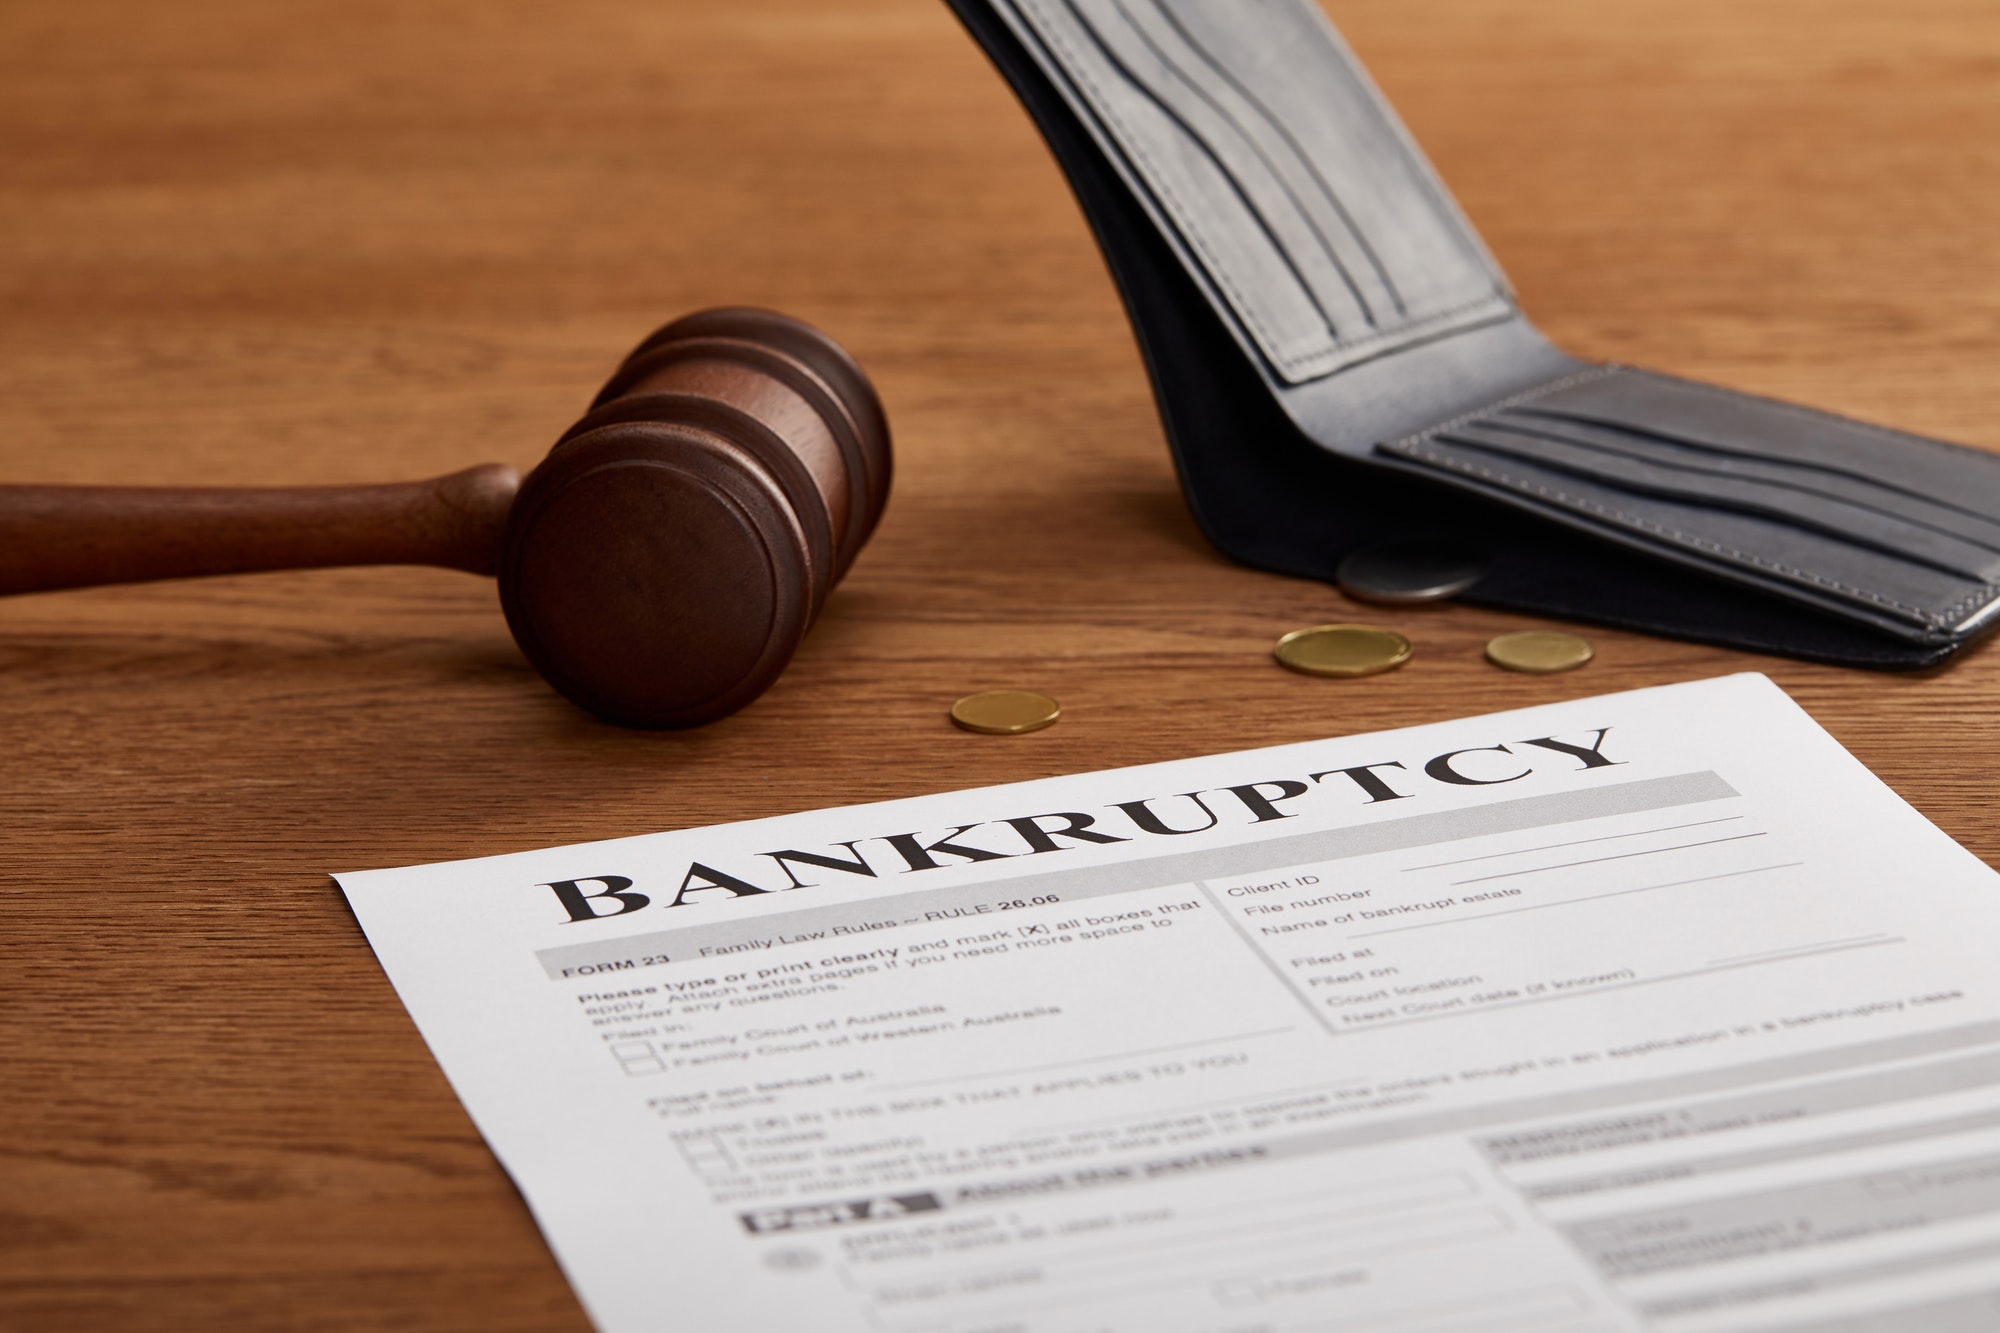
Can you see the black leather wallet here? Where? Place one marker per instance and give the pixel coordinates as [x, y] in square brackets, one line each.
[1340, 362]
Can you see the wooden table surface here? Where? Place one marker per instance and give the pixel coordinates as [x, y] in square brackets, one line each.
[332, 242]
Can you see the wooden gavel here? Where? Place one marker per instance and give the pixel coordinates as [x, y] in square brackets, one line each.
[658, 568]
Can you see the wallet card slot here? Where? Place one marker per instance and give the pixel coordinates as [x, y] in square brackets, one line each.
[1728, 465]
[1198, 198]
[1323, 253]
[1332, 225]
[1913, 592]
[1699, 414]
[1348, 146]
[1830, 516]
[1328, 239]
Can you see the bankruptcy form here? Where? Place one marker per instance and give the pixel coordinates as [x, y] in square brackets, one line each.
[1649, 1011]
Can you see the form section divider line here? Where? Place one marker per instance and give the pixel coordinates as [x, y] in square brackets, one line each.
[1243, 933]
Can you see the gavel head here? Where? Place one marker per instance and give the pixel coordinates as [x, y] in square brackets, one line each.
[661, 565]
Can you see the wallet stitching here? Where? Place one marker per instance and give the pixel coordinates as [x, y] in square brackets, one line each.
[1813, 415]
[1414, 445]
[1514, 400]
[1933, 618]
[1894, 532]
[1101, 103]
[1214, 85]
[1316, 362]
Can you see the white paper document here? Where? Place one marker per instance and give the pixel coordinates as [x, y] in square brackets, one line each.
[1648, 1011]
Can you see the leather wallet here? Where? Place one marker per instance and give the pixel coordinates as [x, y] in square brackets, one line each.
[1340, 362]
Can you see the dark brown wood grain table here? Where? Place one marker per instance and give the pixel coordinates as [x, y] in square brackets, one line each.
[323, 242]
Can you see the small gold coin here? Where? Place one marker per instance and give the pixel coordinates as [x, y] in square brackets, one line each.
[1005, 712]
[1342, 650]
[1540, 652]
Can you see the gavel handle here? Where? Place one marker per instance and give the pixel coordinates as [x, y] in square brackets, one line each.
[81, 536]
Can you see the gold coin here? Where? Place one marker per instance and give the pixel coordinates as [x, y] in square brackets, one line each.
[1005, 712]
[1540, 652]
[1342, 650]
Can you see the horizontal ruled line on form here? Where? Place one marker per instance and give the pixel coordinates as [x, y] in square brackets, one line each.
[1579, 993]
[1599, 860]
[1586, 898]
[1085, 1060]
[1577, 842]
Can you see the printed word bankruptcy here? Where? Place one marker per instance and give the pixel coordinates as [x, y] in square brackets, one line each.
[594, 897]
